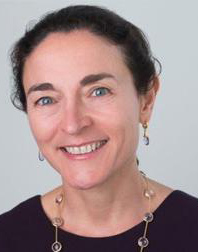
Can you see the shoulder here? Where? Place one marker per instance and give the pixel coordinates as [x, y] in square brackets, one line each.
[175, 223]
[21, 212]
[181, 210]
[183, 201]
[172, 200]
[16, 221]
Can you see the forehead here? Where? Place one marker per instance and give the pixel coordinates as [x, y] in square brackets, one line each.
[76, 53]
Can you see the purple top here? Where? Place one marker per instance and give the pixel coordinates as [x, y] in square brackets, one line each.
[26, 228]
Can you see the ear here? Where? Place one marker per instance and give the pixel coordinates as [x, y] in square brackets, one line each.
[147, 101]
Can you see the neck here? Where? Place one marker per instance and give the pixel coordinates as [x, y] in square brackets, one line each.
[108, 209]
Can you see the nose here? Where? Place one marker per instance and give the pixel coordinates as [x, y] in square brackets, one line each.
[75, 118]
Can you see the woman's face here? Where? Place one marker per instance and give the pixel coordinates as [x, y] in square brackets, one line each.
[82, 107]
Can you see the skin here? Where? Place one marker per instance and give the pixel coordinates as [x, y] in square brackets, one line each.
[102, 187]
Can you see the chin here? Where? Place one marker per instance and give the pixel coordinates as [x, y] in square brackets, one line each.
[84, 183]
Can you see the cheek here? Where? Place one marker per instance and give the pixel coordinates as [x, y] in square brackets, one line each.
[121, 123]
[124, 117]
[127, 126]
[43, 129]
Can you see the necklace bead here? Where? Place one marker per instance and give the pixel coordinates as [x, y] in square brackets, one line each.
[148, 217]
[56, 246]
[149, 193]
[59, 199]
[57, 222]
[143, 242]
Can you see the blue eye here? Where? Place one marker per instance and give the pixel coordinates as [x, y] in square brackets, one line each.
[44, 101]
[100, 91]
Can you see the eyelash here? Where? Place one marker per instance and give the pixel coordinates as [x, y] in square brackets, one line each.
[101, 88]
[43, 98]
[39, 101]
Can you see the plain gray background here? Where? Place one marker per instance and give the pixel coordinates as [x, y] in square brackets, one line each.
[172, 157]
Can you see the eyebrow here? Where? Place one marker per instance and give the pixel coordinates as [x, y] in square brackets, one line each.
[87, 80]
[40, 87]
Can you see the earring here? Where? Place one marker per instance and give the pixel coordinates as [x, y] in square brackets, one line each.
[137, 161]
[40, 156]
[145, 136]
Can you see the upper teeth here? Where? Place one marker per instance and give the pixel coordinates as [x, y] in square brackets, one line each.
[85, 148]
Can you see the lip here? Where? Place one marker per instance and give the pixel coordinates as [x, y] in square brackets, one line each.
[86, 155]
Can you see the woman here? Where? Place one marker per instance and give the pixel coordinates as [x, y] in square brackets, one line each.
[86, 79]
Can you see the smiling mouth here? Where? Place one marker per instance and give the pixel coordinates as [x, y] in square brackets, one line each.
[84, 149]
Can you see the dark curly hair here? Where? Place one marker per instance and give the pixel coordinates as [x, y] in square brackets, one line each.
[99, 21]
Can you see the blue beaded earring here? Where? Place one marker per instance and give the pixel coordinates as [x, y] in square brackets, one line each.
[40, 156]
[145, 136]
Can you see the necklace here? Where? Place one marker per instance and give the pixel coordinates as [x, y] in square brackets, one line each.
[143, 241]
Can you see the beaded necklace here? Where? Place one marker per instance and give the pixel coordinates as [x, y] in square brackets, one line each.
[143, 241]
